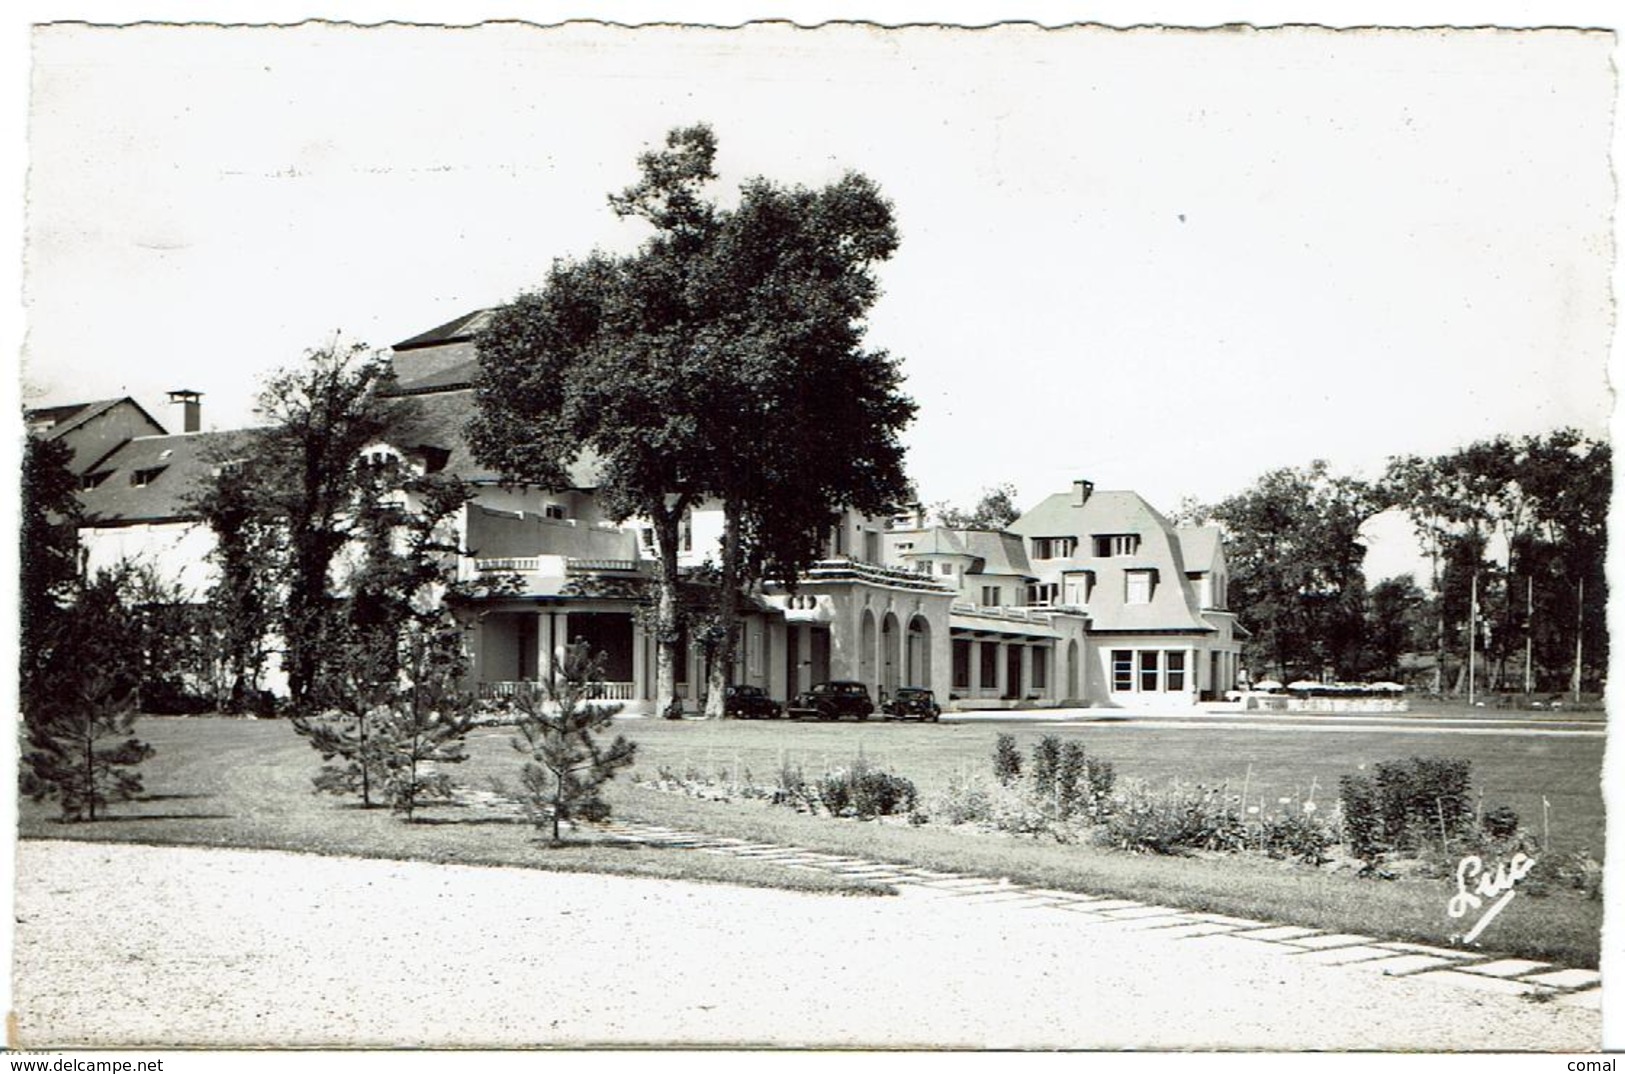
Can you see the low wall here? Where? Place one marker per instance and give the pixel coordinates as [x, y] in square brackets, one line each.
[1284, 703]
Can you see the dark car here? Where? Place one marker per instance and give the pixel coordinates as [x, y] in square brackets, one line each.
[749, 703]
[912, 703]
[832, 700]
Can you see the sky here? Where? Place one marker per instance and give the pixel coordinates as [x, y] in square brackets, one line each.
[1161, 260]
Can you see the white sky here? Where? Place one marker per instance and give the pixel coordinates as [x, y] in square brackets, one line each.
[1166, 261]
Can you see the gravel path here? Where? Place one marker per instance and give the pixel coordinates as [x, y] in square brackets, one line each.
[126, 945]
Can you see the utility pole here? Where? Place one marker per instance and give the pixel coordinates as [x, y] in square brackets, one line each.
[1529, 635]
[1579, 638]
[1472, 642]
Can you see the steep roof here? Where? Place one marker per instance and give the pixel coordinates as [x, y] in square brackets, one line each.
[458, 330]
[174, 468]
[997, 552]
[439, 419]
[1200, 545]
[1173, 604]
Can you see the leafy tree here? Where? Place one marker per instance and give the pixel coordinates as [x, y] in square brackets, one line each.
[81, 749]
[1293, 544]
[568, 765]
[1397, 622]
[996, 510]
[321, 414]
[249, 557]
[722, 361]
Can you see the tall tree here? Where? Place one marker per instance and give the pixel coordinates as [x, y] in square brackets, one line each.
[1295, 554]
[321, 414]
[994, 511]
[49, 558]
[720, 361]
[1397, 622]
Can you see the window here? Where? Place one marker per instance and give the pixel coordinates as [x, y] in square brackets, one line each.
[923, 566]
[1137, 587]
[90, 481]
[142, 478]
[647, 536]
[1040, 668]
[553, 510]
[1080, 586]
[1044, 593]
[685, 532]
[961, 664]
[990, 596]
[1149, 667]
[905, 546]
[1122, 670]
[947, 568]
[1054, 547]
[1176, 672]
[1116, 544]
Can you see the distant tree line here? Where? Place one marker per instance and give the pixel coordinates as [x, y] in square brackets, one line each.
[1514, 531]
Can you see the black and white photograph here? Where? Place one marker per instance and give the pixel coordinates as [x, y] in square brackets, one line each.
[770, 532]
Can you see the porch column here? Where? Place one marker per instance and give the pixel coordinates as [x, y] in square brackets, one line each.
[544, 647]
[1001, 669]
[1026, 684]
[1191, 671]
[640, 661]
[803, 657]
[975, 667]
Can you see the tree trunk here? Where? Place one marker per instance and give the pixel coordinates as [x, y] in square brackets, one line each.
[727, 617]
[666, 621]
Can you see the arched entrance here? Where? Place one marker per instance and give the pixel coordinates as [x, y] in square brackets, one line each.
[891, 653]
[918, 670]
[866, 648]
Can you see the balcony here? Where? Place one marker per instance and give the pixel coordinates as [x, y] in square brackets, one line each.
[513, 691]
[846, 569]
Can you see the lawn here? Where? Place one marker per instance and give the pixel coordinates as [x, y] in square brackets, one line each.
[246, 784]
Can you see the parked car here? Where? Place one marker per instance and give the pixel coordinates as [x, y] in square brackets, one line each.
[749, 703]
[912, 703]
[832, 700]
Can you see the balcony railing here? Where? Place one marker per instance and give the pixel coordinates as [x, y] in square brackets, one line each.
[845, 568]
[508, 691]
[998, 611]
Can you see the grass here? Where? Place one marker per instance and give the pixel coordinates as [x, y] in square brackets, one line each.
[247, 784]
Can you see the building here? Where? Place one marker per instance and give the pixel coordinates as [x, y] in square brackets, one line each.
[1089, 598]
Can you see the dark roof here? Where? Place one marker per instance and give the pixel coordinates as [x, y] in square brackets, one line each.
[54, 421]
[460, 330]
[439, 419]
[458, 374]
[175, 465]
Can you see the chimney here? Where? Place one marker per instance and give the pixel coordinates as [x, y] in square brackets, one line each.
[1080, 491]
[191, 408]
[919, 516]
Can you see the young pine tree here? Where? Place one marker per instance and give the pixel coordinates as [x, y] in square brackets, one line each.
[568, 765]
[81, 750]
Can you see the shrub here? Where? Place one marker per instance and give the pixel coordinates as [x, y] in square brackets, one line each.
[1407, 805]
[965, 801]
[1297, 834]
[866, 791]
[1072, 780]
[1006, 761]
[1046, 768]
[1174, 819]
[1501, 822]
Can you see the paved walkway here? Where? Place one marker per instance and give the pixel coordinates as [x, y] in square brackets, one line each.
[122, 945]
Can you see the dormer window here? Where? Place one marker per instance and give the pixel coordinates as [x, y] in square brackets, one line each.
[142, 478]
[1139, 586]
[90, 481]
[1054, 547]
[1116, 544]
[553, 510]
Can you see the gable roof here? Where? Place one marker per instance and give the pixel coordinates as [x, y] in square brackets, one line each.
[458, 330]
[439, 419]
[176, 466]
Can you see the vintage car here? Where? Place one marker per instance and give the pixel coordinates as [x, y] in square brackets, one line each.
[831, 701]
[912, 703]
[749, 703]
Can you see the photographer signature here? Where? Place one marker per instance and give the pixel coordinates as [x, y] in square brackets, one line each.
[1495, 884]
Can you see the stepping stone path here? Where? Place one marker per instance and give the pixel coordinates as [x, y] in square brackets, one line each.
[1394, 958]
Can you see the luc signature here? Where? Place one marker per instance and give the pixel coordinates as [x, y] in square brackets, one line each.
[1495, 884]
